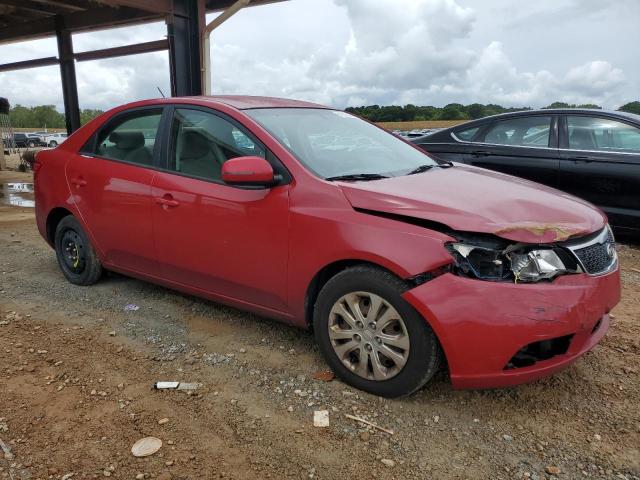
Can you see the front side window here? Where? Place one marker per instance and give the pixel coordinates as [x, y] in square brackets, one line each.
[202, 142]
[130, 138]
[524, 131]
[593, 133]
[331, 143]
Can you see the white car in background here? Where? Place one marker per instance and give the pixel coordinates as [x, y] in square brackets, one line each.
[53, 139]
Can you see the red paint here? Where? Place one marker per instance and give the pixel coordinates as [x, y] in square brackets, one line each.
[247, 171]
[479, 200]
[260, 249]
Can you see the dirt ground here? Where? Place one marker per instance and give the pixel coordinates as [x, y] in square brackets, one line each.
[77, 374]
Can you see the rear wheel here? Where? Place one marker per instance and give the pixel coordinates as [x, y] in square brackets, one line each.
[371, 337]
[76, 256]
[53, 144]
[31, 144]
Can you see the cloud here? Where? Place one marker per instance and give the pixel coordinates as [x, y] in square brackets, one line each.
[354, 52]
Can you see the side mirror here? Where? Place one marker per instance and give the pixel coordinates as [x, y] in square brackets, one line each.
[248, 171]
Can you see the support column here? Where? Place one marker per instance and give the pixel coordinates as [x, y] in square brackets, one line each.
[3, 163]
[183, 29]
[68, 76]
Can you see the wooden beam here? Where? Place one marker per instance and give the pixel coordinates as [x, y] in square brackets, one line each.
[69, 5]
[147, 47]
[35, 5]
[38, 62]
[154, 6]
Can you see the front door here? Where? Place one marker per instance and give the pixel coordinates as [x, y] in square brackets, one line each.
[228, 241]
[110, 180]
[601, 163]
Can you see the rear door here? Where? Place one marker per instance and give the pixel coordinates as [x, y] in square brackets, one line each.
[110, 180]
[524, 146]
[601, 163]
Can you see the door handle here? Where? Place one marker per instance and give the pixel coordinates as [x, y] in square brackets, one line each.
[78, 182]
[583, 159]
[167, 201]
[480, 153]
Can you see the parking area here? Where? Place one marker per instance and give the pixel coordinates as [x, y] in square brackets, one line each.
[79, 365]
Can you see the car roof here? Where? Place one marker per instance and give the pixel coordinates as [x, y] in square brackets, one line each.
[244, 102]
[554, 111]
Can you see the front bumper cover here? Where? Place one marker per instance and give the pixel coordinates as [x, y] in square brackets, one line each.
[481, 325]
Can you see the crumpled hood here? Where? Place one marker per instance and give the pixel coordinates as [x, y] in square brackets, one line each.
[472, 199]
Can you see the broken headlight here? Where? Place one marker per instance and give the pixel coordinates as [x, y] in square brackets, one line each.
[518, 263]
[536, 265]
[480, 262]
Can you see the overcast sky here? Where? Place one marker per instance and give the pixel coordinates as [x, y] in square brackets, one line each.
[360, 52]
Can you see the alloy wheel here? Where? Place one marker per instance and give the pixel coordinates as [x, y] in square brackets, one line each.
[368, 335]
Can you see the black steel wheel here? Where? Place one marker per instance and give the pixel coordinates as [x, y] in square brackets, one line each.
[76, 256]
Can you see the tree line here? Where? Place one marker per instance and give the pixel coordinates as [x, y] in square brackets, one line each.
[456, 111]
[45, 116]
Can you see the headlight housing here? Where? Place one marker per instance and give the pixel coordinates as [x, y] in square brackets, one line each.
[519, 263]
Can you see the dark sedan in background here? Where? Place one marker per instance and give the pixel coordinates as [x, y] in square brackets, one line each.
[591, 154]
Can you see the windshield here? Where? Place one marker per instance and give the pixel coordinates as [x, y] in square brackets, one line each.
[332, 143]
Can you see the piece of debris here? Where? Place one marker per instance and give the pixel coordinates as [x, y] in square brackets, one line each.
[162, 421]
[367, 422]
[146, 446]
[324, 375]
[176, 386]
[131, 307]
[388, 462]
[6, 450]
[552, 470]
[112, 333]
[67, 476]
[321, 418]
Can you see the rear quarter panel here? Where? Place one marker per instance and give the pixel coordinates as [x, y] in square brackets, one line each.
[50, 187]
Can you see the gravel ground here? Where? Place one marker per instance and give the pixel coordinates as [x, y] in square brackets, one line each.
[77, 372]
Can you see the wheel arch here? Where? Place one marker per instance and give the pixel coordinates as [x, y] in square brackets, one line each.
[330, 270]
[53, 219]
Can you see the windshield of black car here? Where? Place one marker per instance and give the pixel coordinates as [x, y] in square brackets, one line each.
[332, 143]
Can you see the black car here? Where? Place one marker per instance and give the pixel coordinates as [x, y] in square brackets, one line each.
[592, 154]
[22, 140]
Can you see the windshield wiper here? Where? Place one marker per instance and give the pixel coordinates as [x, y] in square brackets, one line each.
[357, 176]
[425, 168]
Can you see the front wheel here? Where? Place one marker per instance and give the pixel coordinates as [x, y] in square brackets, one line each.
[371, 337]
[53, 144]
[76, 256]
[31, 144]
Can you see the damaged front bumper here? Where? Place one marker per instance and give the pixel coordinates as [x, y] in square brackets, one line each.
[496, 334]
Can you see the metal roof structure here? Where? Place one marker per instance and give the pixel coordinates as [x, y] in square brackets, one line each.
[187, 34]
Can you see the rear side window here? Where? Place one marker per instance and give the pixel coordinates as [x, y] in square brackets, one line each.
[131, 138]
[468, 134]
[524, 131]
[593, 133]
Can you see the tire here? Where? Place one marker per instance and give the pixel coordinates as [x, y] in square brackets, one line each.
[420, 351]
[76, 256]
[31, 144]
[53, 144]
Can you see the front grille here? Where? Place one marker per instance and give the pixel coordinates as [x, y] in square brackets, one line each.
[599, 255]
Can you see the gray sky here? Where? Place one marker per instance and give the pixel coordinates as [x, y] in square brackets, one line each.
[356, 52]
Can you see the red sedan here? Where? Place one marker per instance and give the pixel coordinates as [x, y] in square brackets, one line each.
[399, 262]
